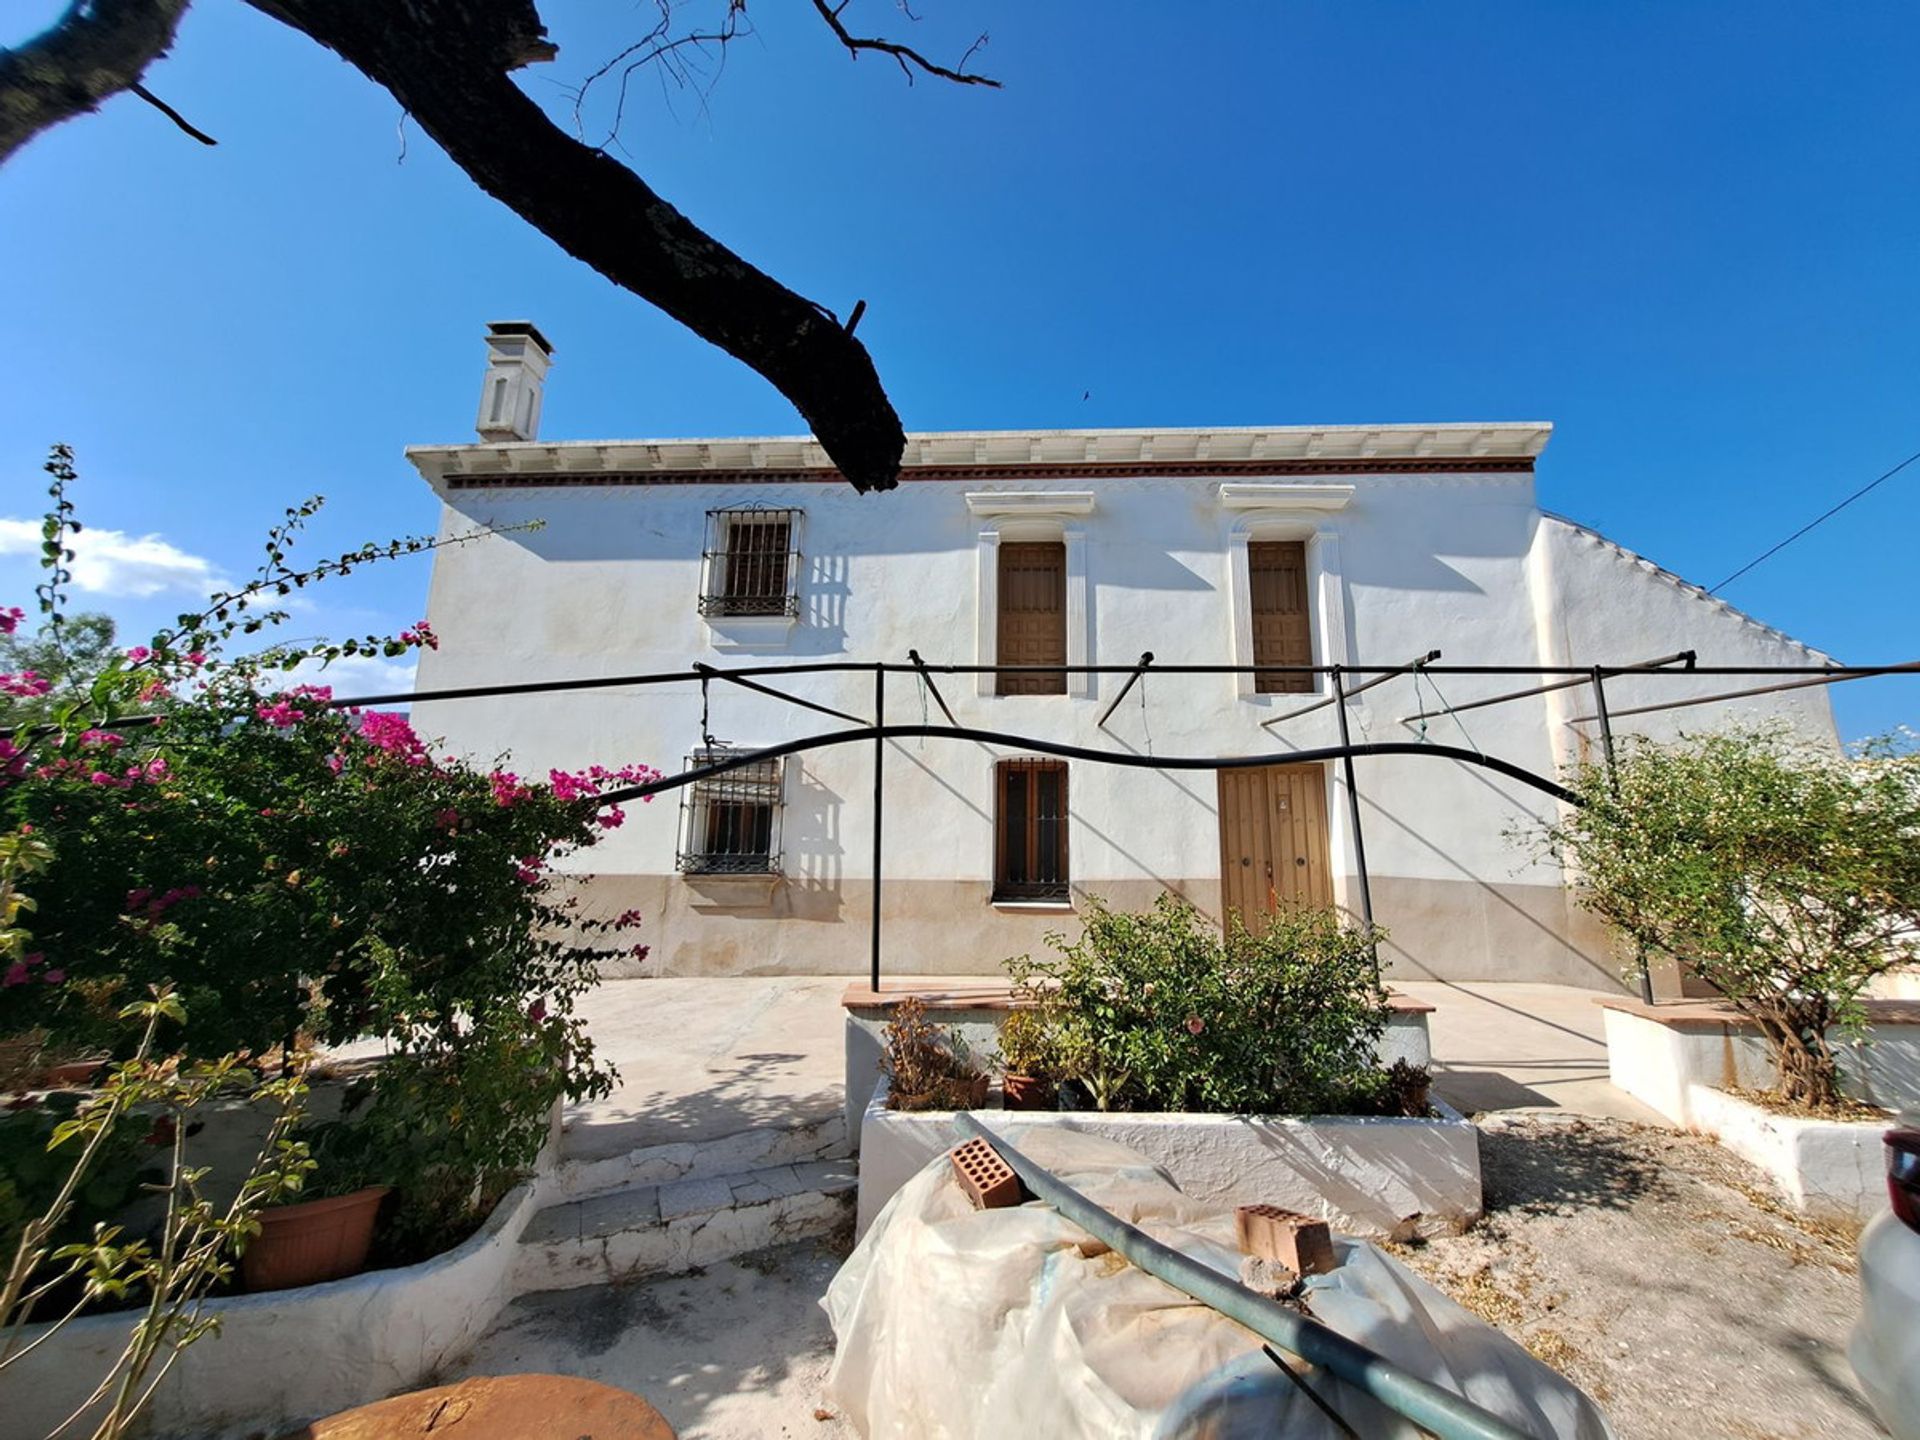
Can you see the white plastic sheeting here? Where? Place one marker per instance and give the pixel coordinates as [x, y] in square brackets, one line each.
[953, 1323]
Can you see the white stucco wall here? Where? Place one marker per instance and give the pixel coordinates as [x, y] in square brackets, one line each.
[1412, 562]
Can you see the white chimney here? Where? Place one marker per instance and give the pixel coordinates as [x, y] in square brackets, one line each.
[517, 359]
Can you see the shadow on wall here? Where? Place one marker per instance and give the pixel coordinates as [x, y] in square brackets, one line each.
[815, 854]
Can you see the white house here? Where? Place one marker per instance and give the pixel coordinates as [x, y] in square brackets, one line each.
[1354, 545]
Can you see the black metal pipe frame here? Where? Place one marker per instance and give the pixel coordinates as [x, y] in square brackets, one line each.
[1146, 659]
[927, 680]
[1080, 752]
[1353, 812]
[709, 672]
[1321, 704]
[879, 755]
[1644, 974]
[1911, 667]
[1649, 666]
[1438, 1411]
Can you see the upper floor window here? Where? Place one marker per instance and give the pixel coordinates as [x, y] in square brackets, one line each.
[730, 823]
[1032, 599]
[1282, 623]
[753, 563]
[1030, 830]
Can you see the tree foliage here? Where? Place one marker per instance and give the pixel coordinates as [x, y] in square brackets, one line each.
[1785, 874]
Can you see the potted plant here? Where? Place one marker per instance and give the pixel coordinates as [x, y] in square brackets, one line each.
[1029, 1059]
[327, 1233]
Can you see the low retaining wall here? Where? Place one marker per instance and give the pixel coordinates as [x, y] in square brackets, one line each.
[1656, 1053]
[976, 1009]
[1681, 1060]
[1371, 1176]
[285, 1357]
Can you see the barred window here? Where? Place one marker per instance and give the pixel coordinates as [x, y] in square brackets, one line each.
[752, 563]
[730, 823]
[1030, 830]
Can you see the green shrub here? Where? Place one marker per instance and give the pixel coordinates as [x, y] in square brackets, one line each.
[1785, 874]
[1155, 1010]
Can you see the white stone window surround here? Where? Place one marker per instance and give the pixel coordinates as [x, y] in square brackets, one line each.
[1031, 515]
[1288, 512]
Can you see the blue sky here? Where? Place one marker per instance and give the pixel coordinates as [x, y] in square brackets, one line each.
[1685, 233]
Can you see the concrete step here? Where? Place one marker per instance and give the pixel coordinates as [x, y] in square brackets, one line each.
[589, 1167]
[666, 1229]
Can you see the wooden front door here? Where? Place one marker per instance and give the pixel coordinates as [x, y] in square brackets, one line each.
[1273, 840]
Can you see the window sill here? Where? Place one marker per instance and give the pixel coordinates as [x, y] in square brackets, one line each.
[731, 892]
[749, 632]
[1034, 907]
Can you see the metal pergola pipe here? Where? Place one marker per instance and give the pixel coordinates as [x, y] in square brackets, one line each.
[708, 672]
[1438, 1411]
[920, 666]
[1321, 704]
[1146, 659]
[1910, 667]
[1582, 678]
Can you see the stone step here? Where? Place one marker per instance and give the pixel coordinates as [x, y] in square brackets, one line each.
[589, 1167]
[666, 1229]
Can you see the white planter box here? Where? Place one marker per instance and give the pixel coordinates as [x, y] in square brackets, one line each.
[285, 1357]
[1370, 1176]
[1682, 1062]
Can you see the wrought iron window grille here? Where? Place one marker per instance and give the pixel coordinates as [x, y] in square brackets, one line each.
[752, 563]
[1030, 831]
[730, 823]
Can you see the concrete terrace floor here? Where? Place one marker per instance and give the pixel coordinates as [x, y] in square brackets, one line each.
[702, 1058]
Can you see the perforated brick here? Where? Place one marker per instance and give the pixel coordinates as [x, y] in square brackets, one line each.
[1299, 1242]
[988, 1180]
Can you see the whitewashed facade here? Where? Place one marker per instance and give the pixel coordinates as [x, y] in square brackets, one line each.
[1415, 538]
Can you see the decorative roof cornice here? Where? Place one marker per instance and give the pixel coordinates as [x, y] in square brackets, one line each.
[975, 455]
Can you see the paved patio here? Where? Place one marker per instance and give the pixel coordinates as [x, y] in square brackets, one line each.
[702, 1058]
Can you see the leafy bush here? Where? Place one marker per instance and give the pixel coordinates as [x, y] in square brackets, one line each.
[297, 872]
[1784, 874]
[1156, 1011]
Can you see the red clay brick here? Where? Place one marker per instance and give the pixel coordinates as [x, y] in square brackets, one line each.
[1299, 1242]
[988, 1180]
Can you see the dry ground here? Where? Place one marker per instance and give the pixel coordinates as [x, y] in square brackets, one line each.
[1657, 1272]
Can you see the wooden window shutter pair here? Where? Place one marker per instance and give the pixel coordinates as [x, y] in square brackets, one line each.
[1282, 633]
[1030, 830]
[1033, 615]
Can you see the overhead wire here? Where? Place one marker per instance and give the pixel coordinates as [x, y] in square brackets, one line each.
[1817, 520]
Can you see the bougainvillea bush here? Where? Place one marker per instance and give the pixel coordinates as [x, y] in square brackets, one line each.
[301, 872]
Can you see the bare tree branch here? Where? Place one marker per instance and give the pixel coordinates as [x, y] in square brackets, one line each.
[172, 114]
[448, 61]
[904, 55]
[93, 52]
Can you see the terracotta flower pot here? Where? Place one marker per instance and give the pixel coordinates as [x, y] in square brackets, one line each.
[312, 1242]
[75, 1073]
[1027, 1092]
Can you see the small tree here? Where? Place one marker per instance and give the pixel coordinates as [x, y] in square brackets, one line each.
[1786, 875]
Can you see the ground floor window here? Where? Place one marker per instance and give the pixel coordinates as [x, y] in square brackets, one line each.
[730, 823]
[1030, 830]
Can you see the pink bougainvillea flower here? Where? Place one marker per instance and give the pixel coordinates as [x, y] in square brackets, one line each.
[537, 1011]
[1195, 1024]
[137, 898]
[628, 919]
[388, 732]
[54, 977]
[611, 818]
[420, 633]
[102, 737]
[26, 685]
[507, 789]
[153, 690]
[196, 658]
[322, 693]
[447, 819]
[17, 974]
[280, 714]
[336, 762]
[10, 619]
[640, 952]
[139, 655]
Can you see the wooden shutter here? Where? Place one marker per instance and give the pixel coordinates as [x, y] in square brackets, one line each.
[1282, 632]
[1030, 830]
[1033, 615]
